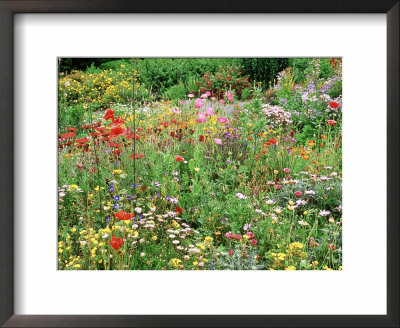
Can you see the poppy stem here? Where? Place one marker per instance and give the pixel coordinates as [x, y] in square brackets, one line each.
[134, 129]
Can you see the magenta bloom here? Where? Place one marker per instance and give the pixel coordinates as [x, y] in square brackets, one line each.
[190, 95]
[201, 118]
[298, 193]
[222, 101]
[209, 111]
[208, 93]
[222, 119]
[218, 141]
[198, 103]
[181, 102]
[229, 95]
[175, 110]
[204, 95]
[286, 170]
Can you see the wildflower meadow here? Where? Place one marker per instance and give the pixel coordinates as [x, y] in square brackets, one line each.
[200, 164]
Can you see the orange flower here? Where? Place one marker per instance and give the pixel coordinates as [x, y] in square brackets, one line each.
[124, 215]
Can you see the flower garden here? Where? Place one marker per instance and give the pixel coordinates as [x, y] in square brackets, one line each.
[213, 164]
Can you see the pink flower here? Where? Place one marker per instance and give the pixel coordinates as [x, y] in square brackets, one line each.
[230, 235]
[180, 102]
[213, 98]
[175, 110]
[253, 242]
[230, 252]
[298, 193]
[250, 234]
[204, 95]
[190, 95]
[229, 95]
[278, 187]
[218, 141]
[201, 118]
[208, 93]
[198, 103]
[222, 119]
[331, 122]
[222, 101]
[286, 170]
[209, 111]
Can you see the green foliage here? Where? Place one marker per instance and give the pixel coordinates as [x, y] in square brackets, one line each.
[159, 74]
[308, 133]
[263, 70]
[71, 116]
[175, 92]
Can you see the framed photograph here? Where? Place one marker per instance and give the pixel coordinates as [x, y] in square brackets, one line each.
[167, 164]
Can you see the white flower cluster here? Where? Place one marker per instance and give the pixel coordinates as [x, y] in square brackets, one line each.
[276, 115]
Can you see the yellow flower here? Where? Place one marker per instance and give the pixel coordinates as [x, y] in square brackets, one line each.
[77, 265]
[100, 261]
[276, 171]
[195, 263]
[290, 268]
[60, 250]
[117, 172]
[175, 262]
[305, 212]
[314, 263]
[73, 229]
[208, 240]
[196, 169]
[291, 202]
[201, 246]
[73, 187]
[245, 237]
[154, 238]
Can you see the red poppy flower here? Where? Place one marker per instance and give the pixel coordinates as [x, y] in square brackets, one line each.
[179, 158]
[117, 152]
[82, 140]
[230, 252]
[201, 138]
[124, 215]
[273, 141]
[115, 242]
[179, 210]
[298, 193]
[117, 130]
[87, 126]
[334, 104]
[136, 156]
[117, 121]
[109, 114]
[67, 135]
[331, 122]
[71, 129]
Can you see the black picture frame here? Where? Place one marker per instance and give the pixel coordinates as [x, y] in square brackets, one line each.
[10, 7]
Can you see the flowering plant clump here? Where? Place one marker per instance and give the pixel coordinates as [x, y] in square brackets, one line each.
[200, 182]
[276, 116]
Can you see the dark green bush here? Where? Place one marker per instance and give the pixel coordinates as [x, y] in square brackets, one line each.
[263, 70]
